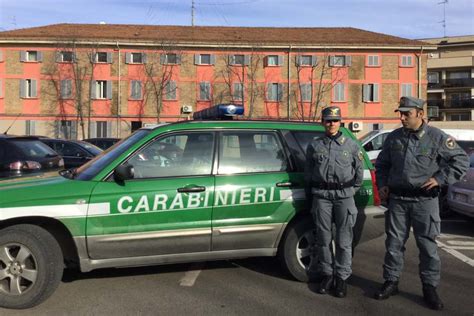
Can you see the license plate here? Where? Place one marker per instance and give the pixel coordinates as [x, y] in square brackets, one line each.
[460, 197]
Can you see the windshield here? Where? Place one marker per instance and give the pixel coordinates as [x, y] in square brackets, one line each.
[93, 167]
[33, 148]
[94, 150]
[367, 136]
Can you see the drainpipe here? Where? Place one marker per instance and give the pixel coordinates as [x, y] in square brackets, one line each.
[419, 72]
[119, 91]
[288, 85]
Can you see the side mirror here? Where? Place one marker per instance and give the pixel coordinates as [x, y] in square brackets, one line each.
[124, 172]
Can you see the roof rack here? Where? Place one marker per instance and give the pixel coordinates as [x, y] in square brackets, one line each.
[219, 112]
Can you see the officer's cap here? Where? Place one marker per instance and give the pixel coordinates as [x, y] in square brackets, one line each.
[331, 113]
[410, 103]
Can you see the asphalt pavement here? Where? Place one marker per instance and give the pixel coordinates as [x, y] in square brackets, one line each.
[258, 286]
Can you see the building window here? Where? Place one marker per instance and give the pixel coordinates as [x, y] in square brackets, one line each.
[170, 90]
[340, 61]
[459, 116]
[30, 127]
[373, 61]
[339, 95]
[274, 92]
[31, 56]
[28, 88]
[136, 90]
[66, 129]
[273, 60]
[66, 89]
[66, 57]
[306, 60]
[170, 59]
[101, 129]
[433, 77]
[370, 92]
[407, 61]
[305, 89]
[238, 90]
[135, 58]
[204, 59]
[406, 90]
[101, 89]
[204, 91]
[104, 57]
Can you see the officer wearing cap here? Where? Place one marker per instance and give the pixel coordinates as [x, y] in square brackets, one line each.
[333, 172]
[415, 161]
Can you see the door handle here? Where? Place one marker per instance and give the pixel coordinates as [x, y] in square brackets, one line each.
[191, 189]
[284, 184]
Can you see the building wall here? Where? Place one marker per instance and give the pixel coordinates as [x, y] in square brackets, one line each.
[48, 107]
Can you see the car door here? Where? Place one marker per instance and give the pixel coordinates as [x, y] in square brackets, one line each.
[165, 209]
[254, 194]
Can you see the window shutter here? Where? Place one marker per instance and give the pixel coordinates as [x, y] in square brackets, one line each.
[128, 58]
[57, 124]
[93, 89]
[62, 89]
[144, 58]
[280, 91]
[58, 57]
[73, 129]
[270, 91]
[22, 88]
[365, 92]
[197, 59]
[162, 59]
[1, 55]
[109, 89]
[109, 129]
[173, 89]
[139, 89]
[280, 60]
[92, 129]
[74, 57]
[178, 59]
[314, 60]
[22, 55]
[213, 59]
[265, 61]
[34, 92]
[231, 60]
[331, 61]
[109, 58]
[348, 60]
[39, 56]
[247, 59]
[93, 58]
[376, 92]
[298, 60]
[1, 89]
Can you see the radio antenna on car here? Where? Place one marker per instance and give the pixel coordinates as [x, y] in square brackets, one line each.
[5, 133]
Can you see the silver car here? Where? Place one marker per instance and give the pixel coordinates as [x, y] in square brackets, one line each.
[461, 194]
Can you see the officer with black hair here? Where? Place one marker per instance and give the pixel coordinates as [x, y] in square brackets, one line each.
[415, 161]
[333, 172]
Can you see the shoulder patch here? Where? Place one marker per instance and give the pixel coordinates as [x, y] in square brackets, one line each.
[360, 156]
[450, 143]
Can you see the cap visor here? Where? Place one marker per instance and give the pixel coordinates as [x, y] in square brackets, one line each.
[404, 109]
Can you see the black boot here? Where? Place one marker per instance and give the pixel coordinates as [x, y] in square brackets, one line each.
[388, 289]
[341, 288]
[326, 285]
[432, 298]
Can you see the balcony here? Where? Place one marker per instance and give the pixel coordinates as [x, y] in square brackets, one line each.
[452, 104]
[452, 83]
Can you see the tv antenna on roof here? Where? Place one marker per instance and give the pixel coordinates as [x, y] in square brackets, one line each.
[444, 2]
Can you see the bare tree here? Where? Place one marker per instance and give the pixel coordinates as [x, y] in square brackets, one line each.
[321, 81]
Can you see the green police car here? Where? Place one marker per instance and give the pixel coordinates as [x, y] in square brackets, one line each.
[196, 190]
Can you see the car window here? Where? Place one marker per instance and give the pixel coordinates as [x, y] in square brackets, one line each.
[248, 152]
[69, 150]
[33, 148]
[93, 149]
[305, 138]
[467, 145]
[184, 154]
[377, 142]
[471, 161]
[367, 136]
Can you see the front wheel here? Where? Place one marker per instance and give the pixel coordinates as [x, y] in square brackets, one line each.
[296, 249]
[31, 266]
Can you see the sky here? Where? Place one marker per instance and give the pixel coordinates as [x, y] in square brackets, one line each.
[413, 19]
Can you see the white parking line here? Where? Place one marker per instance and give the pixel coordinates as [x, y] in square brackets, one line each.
[460, 243]
[454, 236]
[190, 276]
[456, 254]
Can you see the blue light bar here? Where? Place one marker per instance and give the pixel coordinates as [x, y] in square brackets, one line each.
[219, 112]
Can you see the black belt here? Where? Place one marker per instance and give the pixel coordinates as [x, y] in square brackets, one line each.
[418, 192]
[332, 186]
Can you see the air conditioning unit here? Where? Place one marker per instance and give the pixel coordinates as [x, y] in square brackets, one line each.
[356, 126]
[186, 109]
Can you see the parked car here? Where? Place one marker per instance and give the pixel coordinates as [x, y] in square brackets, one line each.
[189, 191]
[103, 143]
[461, 194]
[22, 155]
[74, 152]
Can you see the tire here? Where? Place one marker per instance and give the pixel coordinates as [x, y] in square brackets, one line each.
[31, 266]
[296, 248]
